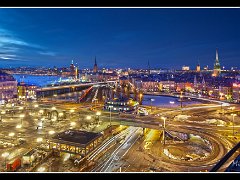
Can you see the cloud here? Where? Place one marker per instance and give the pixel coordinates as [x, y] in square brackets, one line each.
[47, 53]
[13, 48]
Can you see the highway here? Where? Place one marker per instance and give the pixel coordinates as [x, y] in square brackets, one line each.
[110, 164]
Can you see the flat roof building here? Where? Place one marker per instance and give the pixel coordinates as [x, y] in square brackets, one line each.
[75, 141]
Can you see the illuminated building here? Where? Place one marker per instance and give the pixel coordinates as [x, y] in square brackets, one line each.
[167, 86]
[75, 142]
[121, 104]
[95, 67]
[185, 68]
[8, 87]
[25, 91]
[225, 93]
[198, 68]
[236, 92]
[72, 69]
[217, 68]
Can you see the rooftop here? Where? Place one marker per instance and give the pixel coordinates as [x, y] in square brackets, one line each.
[82, 138]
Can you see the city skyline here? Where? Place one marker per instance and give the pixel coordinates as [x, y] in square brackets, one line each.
[167, 38]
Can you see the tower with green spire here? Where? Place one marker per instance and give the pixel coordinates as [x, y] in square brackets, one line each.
[217, 67]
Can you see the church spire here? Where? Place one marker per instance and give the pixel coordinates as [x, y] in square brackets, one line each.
[95, 68]
[95, 61]
[148, 67]
[195, 81]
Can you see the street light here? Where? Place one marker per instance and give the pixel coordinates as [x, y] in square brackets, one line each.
[164, 126]
[110, 116]
[51, 132]
[88, 117]
[73, 123]
[18, 126]
[5, 155]
[98, 114]
[39, 140]
[151, 102]
[233, 115]
[11, 134]
[22, 116]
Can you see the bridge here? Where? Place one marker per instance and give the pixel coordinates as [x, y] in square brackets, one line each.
[56, 90]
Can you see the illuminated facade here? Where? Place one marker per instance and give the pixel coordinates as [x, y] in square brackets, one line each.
[121, 104]
[25, 91]
[236, 92]
[198, 69]
[185, 68]
[8, 86]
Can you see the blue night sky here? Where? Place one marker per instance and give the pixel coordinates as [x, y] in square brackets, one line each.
[168, 38]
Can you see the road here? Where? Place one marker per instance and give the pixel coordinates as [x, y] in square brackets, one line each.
[111, 163]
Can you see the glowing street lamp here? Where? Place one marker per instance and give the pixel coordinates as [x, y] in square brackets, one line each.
[22, 116]
[73, 123]
[98, 113]
[51, 132]
[88, 117]
[19, 126]
[5, 155]
[164, 126]
[39, 140]
[151, 100]
[20, 108]
[233, 115]
[11, 134]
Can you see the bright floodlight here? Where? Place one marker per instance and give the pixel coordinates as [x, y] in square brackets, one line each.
[11, 134]
[51, 132]
[41, 169]
[39, 139]
[18, 126]
[73, 123]
[98, 113]
[5, 154]
[89, 117]
[72, 110]
[163, 118]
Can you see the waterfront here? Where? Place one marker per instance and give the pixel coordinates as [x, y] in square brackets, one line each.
[37, 80]
[166, 101]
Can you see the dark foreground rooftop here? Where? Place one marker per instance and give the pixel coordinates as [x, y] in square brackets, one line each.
[81, 138]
